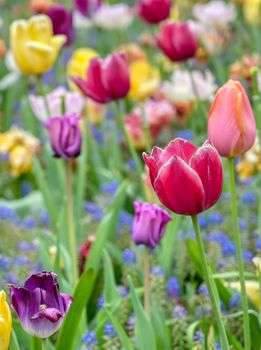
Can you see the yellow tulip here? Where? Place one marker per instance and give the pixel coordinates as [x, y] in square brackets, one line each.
[79, 62]
[252, 289]
[251, 10]
[33, 44]
[20, 160]
[5, 322]
[144, 78]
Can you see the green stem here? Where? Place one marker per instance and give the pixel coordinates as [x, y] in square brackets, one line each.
[210, 285]
[146, 276]
[247, 339]
[70, 222]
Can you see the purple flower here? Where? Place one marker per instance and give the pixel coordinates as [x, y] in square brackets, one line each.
[65, 135]
[39, 305]
[149, 224]
[62, 21]
[87, 7]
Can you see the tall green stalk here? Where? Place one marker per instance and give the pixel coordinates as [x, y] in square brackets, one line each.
[247, 338]
[70, 222]
[146, 277]
[211, 287]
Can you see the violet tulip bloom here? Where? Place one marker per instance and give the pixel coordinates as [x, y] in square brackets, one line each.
[107, 79]
[186, 180]
[87, 7]
[149, 224]
[177, 41]
[231, 122]
[154, 11]
[62, 21]
[39, 305]
[65, 135]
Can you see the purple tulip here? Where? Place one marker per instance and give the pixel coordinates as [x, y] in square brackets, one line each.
[62, 20]
[87, 7]
[149, 224]
[65, 135]
[39, 305]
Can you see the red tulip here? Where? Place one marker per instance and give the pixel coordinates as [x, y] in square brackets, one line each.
[186, 180]
[177, 41]
[106, 80]
[154, 11]
[231, 123]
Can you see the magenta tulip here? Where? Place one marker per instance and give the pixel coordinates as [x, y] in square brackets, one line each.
[62, 21]
[154, 11]
[177, 41]
[231, 122]
[149, 224]
[87, 7]
[106, 80]
[186, 180]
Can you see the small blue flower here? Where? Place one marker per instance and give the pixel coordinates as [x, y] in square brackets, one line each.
[94, 210]
[21, 261]
[185, 134]
[248, 256]
[129, 257]
[89, 338]
[203, 223]
[173, 287]
[26, 188]
[4, 156]
[242, 224]
[199, 336]
[157, 271]
[44, 218]
[101, 301]
[216, 218]
[131, 164]
[110, 330]
[235, 300]
[4, 262]
[29, 223]
[97, 134]
[203, 290]
[123, 291]
[125, 219]
[258, 244]
[110, 187]
[248, 197]
[179, 311]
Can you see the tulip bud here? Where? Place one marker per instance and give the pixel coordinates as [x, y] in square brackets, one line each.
[106, 80]
[186, 180]
[5, 322]
[149, 224]
[39, 305]
[154, 11]
[231, 122]
[177, 41]
[65, 135]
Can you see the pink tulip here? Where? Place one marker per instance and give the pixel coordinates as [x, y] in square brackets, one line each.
[177, 41]
[186, 180]
[106, 80]
[154, 11]
[231, 122]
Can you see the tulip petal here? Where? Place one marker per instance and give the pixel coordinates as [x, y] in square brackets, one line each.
[43, 280]
[50, 314]
[179, 187]
[152, 165]
[177, 147]
[207, 163]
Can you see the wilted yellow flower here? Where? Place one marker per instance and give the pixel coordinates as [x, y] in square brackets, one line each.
[252, 289]
[5, 322]
[79, 62]
[20, 147]
[144, 78]
[251, 10]
[33, 44]
[251, 162]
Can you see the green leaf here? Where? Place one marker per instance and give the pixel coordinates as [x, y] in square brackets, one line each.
[110, 289]
[126, 343]
[69, 331]
[143, 330]
[14, 345]
[255, 330]
[162, 332]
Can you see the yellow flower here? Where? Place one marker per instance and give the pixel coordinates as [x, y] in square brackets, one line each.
[5, 322]
[252, 289]
[20, 160]
[145, 79]
[94, 111]
[33, 44]
[251, 10]
[79, 63]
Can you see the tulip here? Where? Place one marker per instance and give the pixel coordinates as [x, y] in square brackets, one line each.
[39, 304]
[186, 180]
[62, 21]
[65, 135]
[106, 79]
[231, 122]
[33, 44]
[54, 103]
[145, 79]
[177, 41]
[113, 17]
[149, 224]
[154, 11]
[87, 7]
[5, 322]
